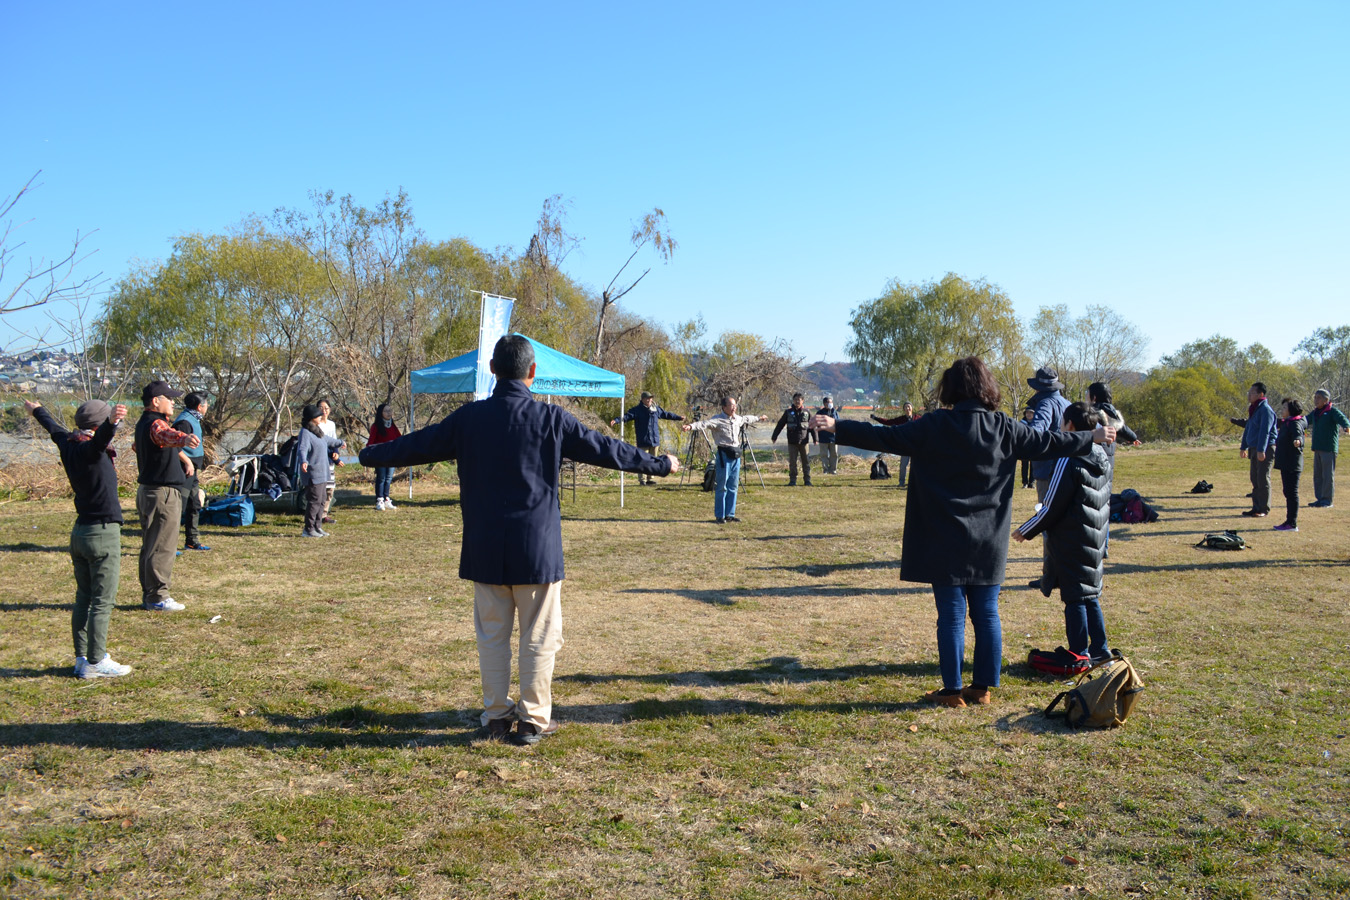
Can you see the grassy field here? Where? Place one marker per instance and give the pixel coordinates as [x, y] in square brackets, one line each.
[741, 705]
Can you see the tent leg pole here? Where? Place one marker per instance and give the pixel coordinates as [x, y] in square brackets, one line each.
[621, 431]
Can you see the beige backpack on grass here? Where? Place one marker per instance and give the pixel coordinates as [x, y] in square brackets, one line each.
[1102, 697]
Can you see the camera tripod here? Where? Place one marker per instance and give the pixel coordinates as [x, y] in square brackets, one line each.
[688, 469]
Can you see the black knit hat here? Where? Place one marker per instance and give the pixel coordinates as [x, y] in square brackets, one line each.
[309, 413]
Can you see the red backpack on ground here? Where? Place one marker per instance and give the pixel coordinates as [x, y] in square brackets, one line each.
[1059, 662]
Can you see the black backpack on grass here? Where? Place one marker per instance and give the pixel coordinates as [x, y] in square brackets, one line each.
[1223, 540]
[879, 470]
[1202, 487]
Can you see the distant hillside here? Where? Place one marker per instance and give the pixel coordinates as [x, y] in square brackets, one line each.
[840, 378]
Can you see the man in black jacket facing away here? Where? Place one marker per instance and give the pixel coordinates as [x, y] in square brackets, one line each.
[797, 421]
[509, 449]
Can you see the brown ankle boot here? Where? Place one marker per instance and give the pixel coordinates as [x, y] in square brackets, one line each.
[941, 699]
[975, 696]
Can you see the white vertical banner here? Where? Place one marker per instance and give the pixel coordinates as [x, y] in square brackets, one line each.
[494, 323]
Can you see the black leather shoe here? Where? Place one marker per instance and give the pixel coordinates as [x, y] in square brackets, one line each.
[498, 729]
[528, 734]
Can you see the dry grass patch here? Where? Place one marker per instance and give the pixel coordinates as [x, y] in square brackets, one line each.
[741, 705]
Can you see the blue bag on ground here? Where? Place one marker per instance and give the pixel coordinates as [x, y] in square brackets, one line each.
[234, 511]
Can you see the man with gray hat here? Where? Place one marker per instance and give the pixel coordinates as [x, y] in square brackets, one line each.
[159, 493]
[96, 538]
[1047, 406]
[1327, 424]
[646, 418]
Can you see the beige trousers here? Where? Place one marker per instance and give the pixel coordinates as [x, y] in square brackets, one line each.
[160, 509]
[328, 496]
[539, 608]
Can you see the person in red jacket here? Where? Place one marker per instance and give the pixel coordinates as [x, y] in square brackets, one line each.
[381, 432]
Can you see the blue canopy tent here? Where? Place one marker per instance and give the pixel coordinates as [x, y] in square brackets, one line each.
[555, 373]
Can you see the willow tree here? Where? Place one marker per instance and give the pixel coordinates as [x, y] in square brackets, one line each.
[226, 314]
[912, 332]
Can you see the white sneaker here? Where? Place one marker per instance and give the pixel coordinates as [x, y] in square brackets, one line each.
[389, 504]
[168, 604]
[106, 668]
[379, 503]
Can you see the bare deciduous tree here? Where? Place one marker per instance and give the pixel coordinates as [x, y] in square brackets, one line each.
[40, 281]
[651, 231]
[760, 375]
[1100, 345]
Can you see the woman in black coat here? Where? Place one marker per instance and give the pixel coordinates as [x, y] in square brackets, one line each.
[959, 511]
[1289, 459]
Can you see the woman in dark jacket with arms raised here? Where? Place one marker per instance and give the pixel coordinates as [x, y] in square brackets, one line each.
[959, 514]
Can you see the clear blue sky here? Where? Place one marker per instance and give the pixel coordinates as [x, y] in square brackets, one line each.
[1185, 164]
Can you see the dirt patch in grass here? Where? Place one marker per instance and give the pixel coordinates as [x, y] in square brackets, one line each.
[741, 705]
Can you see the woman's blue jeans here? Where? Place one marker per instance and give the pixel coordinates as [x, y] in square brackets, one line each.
[952, 602]
[1084, 626]
[384, 476]
[727, 481]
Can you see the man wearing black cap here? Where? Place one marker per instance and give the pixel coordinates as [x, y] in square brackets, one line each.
[96, 539]
[1047, 406]
[159, 495]
[646, 418]
[509, 448]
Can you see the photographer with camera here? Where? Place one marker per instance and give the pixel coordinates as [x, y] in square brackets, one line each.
[726, 428]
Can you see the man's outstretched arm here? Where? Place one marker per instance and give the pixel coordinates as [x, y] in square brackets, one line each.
[433, 444]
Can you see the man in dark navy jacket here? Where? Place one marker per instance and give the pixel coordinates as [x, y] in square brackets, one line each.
[646, 418]
[509, 449]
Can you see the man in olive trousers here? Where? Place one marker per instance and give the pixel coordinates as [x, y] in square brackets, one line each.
[159, 493]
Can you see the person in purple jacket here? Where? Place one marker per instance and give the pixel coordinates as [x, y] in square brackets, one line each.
[509, 449]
